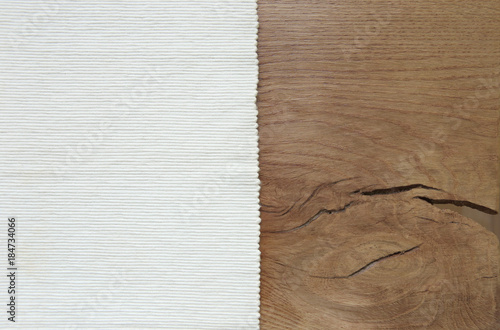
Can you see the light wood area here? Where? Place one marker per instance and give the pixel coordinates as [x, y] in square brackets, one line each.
[376, 119]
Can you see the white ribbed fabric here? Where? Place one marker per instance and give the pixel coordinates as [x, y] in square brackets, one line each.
[128, 157]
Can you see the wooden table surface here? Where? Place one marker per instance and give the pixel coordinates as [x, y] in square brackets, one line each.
[371, 113]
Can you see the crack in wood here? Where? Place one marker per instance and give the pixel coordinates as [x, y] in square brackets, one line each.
[321, 186]
[475, 206]
[314, 217]
[395, 190]
[370, 264]
[383, 191]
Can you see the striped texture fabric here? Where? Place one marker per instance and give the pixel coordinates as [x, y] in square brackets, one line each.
[128, 157]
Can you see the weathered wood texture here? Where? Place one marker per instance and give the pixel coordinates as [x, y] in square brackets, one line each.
[370, 112]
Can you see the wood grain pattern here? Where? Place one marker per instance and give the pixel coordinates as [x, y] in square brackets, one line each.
[370, 114]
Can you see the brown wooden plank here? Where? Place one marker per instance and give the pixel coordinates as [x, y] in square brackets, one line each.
[369, 113]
